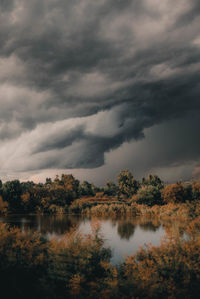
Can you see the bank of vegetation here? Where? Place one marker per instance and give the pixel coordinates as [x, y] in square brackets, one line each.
[66, 194]
[79, 266]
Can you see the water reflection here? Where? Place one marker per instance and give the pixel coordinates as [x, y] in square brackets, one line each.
[123, 235]
[149, 226]
[126, 230]
[57, 224]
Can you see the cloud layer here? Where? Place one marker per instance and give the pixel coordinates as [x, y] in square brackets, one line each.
[78, 79]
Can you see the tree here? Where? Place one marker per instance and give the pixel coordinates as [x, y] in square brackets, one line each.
[48, 182]
[149, 195]
[70, 184]
[128, 186]
[26, 186]
[26, 200]
[59, 196]
[153, 180]
[3, 206]
[86, 189]
[110, 188]
[12, 191]
[37, 193]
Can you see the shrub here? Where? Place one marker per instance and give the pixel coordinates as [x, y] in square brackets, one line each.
[3, 206]
[196, 190]
[149, 195]
[78, 267]
[176, 193]
[23, 263]
[171, 270]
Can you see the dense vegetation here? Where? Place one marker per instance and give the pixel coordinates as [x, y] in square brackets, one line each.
[79, 267]
[67, 194]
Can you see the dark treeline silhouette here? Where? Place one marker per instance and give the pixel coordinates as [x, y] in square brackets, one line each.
[56, 196]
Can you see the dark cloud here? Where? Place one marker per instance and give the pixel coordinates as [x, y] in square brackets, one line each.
[191, 14]
[80, 78]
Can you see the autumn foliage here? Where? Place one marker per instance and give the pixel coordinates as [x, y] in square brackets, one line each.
[79, 266]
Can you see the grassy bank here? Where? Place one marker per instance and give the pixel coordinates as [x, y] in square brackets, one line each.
[85, 206]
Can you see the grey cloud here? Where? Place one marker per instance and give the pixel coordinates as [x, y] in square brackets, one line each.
[75, 59]
[191, 14]
[60, 140]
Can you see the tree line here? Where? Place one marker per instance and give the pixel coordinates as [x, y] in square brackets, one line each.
[57, 195]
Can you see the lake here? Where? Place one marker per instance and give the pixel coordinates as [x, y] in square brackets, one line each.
[124, 235]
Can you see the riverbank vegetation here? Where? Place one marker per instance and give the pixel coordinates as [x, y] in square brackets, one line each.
[66, 194]
[78, 266]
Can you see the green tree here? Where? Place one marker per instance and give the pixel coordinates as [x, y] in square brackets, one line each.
[48, 182]
[86, 189]
[149, 195]
[153, 180]
[12, 191]
[70, 184]
[110, 188]
[128, 186]
[59, 196]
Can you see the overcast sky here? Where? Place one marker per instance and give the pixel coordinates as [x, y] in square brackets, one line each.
[92, 87]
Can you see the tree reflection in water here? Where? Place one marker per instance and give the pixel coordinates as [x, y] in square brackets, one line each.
[57, 225]
[126, 230]
[149, 226]
[51, 224]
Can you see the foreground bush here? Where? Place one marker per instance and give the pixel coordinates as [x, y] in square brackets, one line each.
[32, 267]
[169, 271]
[79, 267]
[80, 264]
[24, 260]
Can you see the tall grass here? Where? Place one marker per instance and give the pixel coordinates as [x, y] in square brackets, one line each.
[173, 210]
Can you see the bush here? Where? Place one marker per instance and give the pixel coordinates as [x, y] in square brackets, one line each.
[3, 206]
[169, 271]
[149, 195]
[23, 263]
[196, 190]
[175, 193]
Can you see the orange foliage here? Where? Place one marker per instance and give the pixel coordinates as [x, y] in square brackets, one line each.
[3, 205]
[174, 193]
[25, 197]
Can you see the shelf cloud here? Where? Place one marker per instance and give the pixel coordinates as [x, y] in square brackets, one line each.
[81, 79]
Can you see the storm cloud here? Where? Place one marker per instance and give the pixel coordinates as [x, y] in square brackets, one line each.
[79, 79]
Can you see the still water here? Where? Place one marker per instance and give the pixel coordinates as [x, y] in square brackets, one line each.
[123, 235]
